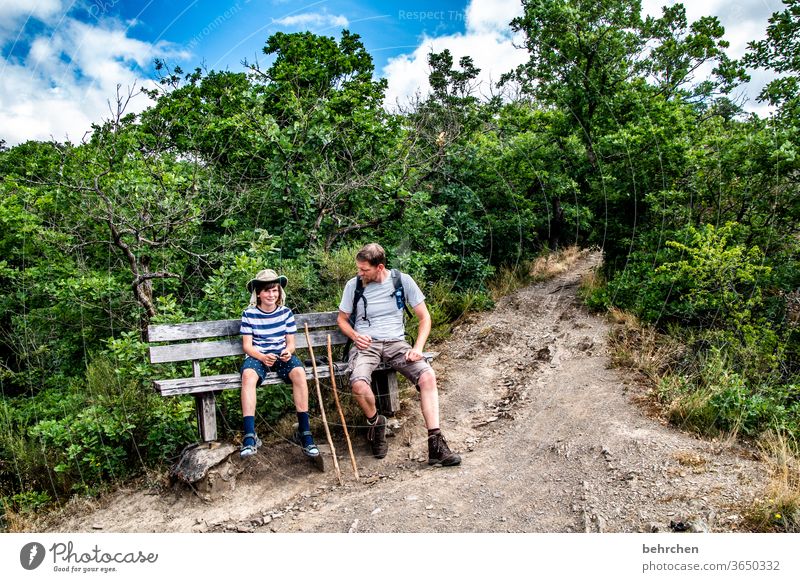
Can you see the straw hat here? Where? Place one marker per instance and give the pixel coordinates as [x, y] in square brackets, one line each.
[267, 276]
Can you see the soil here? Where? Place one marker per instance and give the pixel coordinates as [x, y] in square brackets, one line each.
[553, 439]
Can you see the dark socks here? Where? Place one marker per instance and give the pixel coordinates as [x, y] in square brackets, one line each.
[249, 427]
[433, 431]
[373, 419]
[304, 426]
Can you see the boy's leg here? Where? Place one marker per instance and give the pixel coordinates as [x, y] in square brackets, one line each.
[299, 389]
[297, 376]
[250, 379]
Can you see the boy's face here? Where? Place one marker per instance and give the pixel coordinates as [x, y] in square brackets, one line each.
[370, 274]
[269, 295]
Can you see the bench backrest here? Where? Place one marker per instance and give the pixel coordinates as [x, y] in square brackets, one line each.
[320, 325]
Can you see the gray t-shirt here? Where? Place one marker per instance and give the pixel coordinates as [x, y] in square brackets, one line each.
[384, 320]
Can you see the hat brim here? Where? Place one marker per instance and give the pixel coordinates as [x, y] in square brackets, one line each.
[281, 280]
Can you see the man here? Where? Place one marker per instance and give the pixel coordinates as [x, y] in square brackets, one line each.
[378, 335]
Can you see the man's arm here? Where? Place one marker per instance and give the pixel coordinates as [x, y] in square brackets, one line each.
[424, 316]
[343, 321]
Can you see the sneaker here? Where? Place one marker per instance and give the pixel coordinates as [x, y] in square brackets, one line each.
[249, 450]
[439, 453]
[376, 435]
[309, 449]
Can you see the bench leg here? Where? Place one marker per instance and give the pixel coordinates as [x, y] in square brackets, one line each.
[384, 386]
[205, 405]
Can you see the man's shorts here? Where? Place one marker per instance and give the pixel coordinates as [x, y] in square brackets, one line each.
[280, 367]
[363, 362]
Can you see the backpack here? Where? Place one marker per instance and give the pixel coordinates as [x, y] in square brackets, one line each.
[358, 295]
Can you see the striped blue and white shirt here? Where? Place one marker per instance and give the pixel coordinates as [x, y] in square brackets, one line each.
[268, 329]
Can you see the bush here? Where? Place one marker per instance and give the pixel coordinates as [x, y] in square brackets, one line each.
[78, 437]
[718, 398]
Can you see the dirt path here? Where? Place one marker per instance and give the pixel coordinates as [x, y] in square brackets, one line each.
[550, 438]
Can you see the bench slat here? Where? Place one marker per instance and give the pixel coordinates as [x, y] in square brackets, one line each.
[229, 381]
[196, 330]
[227, 327]
[234, 381]
[233, 347]
[195, 351]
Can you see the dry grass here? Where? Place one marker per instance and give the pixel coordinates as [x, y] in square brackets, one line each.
[509, 279]
[590, 283]
[780, 511]
[641, 347]
[552, 265]
[691, 459]
[17, 522]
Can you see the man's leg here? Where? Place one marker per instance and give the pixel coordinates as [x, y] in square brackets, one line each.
[421, 374]
[362, 364]
[429, 399]
[376, 423]
[362, 393]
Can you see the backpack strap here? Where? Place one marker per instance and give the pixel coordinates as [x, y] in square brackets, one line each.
[357, 294]
[399, 292]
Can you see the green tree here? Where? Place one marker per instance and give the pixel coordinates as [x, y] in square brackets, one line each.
[780, 52]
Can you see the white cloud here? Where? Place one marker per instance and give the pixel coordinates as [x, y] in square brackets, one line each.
[313, 20]
[12, 12]
[67, 78]
[488, 40]
[491, 16]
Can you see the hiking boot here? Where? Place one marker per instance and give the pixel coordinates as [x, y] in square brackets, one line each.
[439, 453]
[376, 435]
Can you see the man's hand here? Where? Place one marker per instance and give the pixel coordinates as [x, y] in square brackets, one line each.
[363, 341]
[414, 355]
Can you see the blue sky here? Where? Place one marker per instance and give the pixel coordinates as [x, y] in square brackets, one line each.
[61, 60]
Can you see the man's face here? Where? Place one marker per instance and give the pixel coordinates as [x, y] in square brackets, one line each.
[370, 274]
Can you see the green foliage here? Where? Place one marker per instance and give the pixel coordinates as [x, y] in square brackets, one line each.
[718, 399]
[705, 278]
[225, 293]
[715, 278]
[447, 305]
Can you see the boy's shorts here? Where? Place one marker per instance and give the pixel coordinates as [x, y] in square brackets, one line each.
[363, 362]
[280, 367]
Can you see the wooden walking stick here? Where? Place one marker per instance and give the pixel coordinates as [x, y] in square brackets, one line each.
[322, 408]
[339, 408]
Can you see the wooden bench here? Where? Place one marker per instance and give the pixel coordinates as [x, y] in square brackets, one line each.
[179, 343]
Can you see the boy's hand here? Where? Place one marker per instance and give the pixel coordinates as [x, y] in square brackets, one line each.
[286, 355]
[269, 359]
